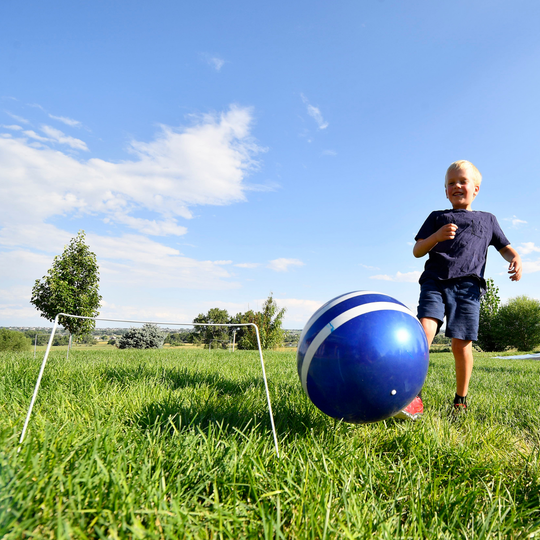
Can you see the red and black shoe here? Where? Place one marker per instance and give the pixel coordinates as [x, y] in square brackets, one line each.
[413, 411]
[460, 408]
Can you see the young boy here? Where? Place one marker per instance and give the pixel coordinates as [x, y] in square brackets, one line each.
[453, 279]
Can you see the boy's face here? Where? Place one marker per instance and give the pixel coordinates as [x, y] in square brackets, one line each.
[461, 189]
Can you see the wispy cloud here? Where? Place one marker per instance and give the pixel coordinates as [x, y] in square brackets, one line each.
[33, 135]
[13, 127]
[65, 120]
[515, 221]
[407, 277]
[315, 113]
[283, 265]
[58, 136]
[215, 61]
[19, 119]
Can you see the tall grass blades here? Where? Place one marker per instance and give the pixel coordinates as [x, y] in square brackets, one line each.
[177, 443]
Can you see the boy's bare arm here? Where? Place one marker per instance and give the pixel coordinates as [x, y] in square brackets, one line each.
[424, 246]
[510, 255]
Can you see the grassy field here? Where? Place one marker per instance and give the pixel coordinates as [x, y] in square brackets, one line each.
[177, 443]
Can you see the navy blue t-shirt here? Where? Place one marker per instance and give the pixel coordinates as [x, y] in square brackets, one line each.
[466, 254]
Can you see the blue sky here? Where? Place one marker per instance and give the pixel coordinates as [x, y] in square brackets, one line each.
[215, 152]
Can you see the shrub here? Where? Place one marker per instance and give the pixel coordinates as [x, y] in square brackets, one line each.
[147, 337]
[11, 340]
[518, 324]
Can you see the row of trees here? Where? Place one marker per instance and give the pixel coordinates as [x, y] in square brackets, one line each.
[268, 320]
[513, 325]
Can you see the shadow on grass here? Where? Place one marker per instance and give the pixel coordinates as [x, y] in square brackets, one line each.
[175, 414]
[214, 400]
[176, 379]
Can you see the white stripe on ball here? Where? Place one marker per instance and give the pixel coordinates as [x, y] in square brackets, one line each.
[335, 323]
[330, 305]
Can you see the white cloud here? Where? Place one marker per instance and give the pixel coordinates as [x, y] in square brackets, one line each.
[25, 265]
[58, 136]
[407, 277]
[528, 247]
[329, 153]
[144, 313]
[315, 113]
[33, 135]
[283, 265]
[206, 163]
[150, 227]
[247, 265]
[13, 127]
[298, 310]
[530, 267]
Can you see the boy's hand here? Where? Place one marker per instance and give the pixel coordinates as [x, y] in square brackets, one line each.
[446, 232]
[515, 269]
[511, 255]
[424, 246]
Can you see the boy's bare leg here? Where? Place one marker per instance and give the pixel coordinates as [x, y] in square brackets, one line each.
[430, 328]
[463, 356]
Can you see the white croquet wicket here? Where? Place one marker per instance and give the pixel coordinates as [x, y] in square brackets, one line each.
[44, 362]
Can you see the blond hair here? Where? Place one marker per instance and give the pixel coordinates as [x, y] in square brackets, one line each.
[463, 164]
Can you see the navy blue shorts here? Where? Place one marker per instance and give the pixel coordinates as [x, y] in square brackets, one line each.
[456, 299]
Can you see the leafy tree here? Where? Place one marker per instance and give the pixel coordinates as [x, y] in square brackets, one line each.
[209, 334]
[245, 335]
[518, 324]
[488, 332]
[269, 322]
[42, 339]
[87, 339]
[70, 286]
[147, 337]
[11, 340]
[59, 340]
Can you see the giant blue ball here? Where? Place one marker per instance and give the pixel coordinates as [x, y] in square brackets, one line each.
[362, 357]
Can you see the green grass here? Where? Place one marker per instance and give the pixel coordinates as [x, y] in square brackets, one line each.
[177, 444]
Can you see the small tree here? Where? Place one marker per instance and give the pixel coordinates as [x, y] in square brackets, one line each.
[208, 334]
[269, 322]
[147, 337]
[488, 334]
[11, 340]
[70, 286]
[518, 323]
